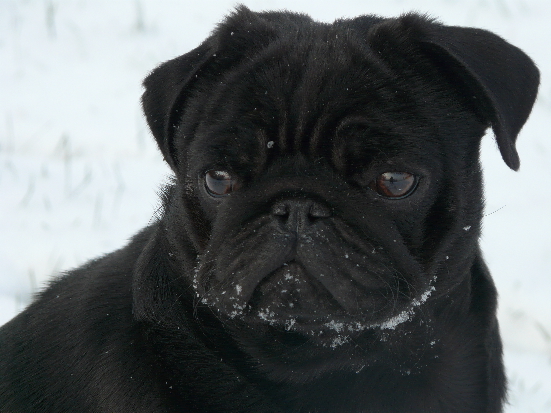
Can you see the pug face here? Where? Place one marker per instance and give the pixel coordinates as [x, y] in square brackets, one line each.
[327, 175]
[319, 188]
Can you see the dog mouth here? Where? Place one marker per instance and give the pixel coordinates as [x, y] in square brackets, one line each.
[292, 293]
[308, 283]
[294, 299]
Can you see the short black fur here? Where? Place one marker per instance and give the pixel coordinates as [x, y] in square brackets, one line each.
[304, 289]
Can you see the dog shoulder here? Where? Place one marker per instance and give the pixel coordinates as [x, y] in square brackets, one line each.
[78, 333]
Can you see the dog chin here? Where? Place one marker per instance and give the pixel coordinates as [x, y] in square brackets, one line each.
[290, 299]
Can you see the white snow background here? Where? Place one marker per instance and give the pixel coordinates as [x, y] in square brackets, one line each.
[79, 170]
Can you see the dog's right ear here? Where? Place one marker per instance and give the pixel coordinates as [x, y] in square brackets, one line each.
[242, 34]
[163, 89]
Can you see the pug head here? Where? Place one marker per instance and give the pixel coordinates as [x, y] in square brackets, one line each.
[327, 175]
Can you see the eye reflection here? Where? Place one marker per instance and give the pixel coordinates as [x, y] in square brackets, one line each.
[219, 183]
[394, 185]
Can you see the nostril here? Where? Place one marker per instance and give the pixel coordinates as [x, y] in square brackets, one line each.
[280, 209]
[302, 211]
[319, 211]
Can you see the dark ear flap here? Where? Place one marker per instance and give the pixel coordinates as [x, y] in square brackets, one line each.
[501, 77]
[163, 88]
[167, 87]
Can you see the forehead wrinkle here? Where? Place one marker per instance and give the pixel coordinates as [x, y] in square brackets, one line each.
[305, 104]
[282, 128]
[262, 158]
[300, 107]
[321, 131]
[338, 150]
[322, 64]
[273, 78]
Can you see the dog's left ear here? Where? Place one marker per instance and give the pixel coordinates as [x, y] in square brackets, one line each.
[501, 79]
[504, 76]
[501, 76]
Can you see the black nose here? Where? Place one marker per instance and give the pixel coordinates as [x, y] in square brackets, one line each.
[296, 214]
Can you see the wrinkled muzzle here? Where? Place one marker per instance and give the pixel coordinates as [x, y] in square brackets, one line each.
[300, 267]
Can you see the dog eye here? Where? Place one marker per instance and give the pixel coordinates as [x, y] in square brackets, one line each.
[220, 183]
[395, 185]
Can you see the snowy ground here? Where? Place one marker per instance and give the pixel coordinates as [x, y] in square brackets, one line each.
[79, 171]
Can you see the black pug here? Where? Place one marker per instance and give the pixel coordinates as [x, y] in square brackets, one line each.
[318, 248]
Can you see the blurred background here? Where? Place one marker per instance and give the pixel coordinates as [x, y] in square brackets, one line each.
[79, 171]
